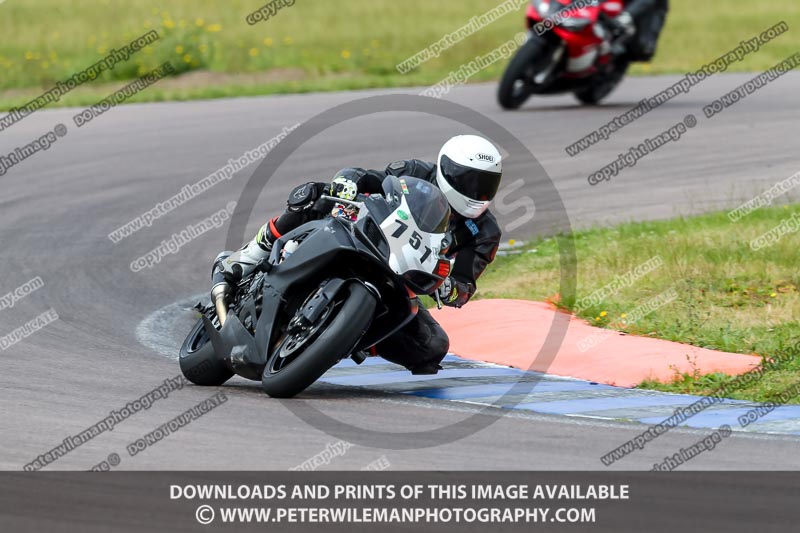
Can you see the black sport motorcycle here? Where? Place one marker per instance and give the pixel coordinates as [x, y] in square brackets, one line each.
[329, 290]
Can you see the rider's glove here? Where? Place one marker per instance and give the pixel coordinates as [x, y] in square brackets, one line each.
[624, 25]
[448, 292]
[344, 188]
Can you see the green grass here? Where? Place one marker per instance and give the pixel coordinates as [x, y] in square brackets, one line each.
[313, 45]
[730, 298]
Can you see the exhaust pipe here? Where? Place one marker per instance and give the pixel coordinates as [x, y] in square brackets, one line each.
[219, 295]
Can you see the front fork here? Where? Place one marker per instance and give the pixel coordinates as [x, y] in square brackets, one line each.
[544, 76]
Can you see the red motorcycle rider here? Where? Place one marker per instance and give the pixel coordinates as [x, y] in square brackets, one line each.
[641, 22]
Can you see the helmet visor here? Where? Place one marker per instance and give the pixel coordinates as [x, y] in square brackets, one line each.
[479, 185]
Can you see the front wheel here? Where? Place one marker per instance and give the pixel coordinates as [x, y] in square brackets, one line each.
[517, 83]
[303, 355]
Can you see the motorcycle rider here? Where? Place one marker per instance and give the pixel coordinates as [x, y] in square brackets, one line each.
[640, 24]
[468, 172]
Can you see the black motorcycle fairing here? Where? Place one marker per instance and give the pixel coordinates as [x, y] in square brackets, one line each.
[356, 253]
[333, 252]
[271, 302]
[235, 346]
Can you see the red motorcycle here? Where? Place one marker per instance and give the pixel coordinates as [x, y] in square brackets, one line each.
[572, 47]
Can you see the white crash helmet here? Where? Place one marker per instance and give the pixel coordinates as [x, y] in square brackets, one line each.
[469, 172]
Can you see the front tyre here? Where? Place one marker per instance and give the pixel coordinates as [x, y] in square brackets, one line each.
[517, 82]
[198, 360]
[298, 361]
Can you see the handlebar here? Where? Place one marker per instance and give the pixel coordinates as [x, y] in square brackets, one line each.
[341, 200]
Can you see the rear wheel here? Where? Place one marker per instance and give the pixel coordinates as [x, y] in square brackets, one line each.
[198, 360]
[304, 353]
[603, 84]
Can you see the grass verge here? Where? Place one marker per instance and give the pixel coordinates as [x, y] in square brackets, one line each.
[314, 45]
[728, 296]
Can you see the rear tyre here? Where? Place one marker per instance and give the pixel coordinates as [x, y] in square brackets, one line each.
[297, 363]
[198, 360]
[516, 86]
[603, 84]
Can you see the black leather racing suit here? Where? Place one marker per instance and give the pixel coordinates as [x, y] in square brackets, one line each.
[638, 8]
[422, 343]
[649, 16]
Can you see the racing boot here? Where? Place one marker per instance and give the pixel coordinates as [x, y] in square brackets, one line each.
[231, 268]
[425, 369]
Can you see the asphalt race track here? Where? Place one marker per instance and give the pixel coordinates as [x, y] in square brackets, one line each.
[58, 207]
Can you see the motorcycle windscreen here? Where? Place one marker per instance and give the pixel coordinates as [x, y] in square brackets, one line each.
[415, 229]
[427, 204]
